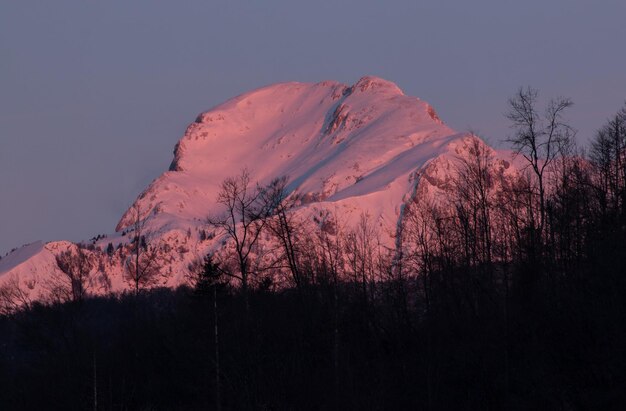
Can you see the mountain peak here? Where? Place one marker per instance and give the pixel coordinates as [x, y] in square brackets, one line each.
[345, 149]
[376, 84]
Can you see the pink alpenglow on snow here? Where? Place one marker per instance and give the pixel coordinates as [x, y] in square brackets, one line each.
[353, 150]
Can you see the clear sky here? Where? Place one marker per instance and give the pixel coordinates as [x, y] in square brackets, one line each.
[94, 94]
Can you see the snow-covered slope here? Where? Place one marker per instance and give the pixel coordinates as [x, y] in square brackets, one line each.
[353, 149]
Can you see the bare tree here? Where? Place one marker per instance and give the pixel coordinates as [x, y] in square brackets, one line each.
[142, 267]
[361, 246]
[12, 296]
[285, 226]
[76, 266]
[538, 137]
[608, 154]
[330, 250]
[242, 222]
[472, 197]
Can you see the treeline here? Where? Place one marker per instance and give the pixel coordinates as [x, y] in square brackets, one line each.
[508, 292]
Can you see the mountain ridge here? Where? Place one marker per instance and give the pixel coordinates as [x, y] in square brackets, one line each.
[353, 149]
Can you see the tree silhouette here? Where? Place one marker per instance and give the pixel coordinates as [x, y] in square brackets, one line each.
[539, 138]
[143, 267]
[242, 222]
[76, 265]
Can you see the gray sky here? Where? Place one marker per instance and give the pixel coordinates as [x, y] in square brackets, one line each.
[94, 94]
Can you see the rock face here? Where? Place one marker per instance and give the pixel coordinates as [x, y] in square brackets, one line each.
[365, 148]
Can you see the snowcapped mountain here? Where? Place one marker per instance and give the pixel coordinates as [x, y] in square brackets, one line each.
[365, 148]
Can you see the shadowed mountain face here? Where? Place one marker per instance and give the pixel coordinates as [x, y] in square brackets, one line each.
[350, 150]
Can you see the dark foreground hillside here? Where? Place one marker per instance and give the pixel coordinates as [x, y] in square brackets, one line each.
[300, 350]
